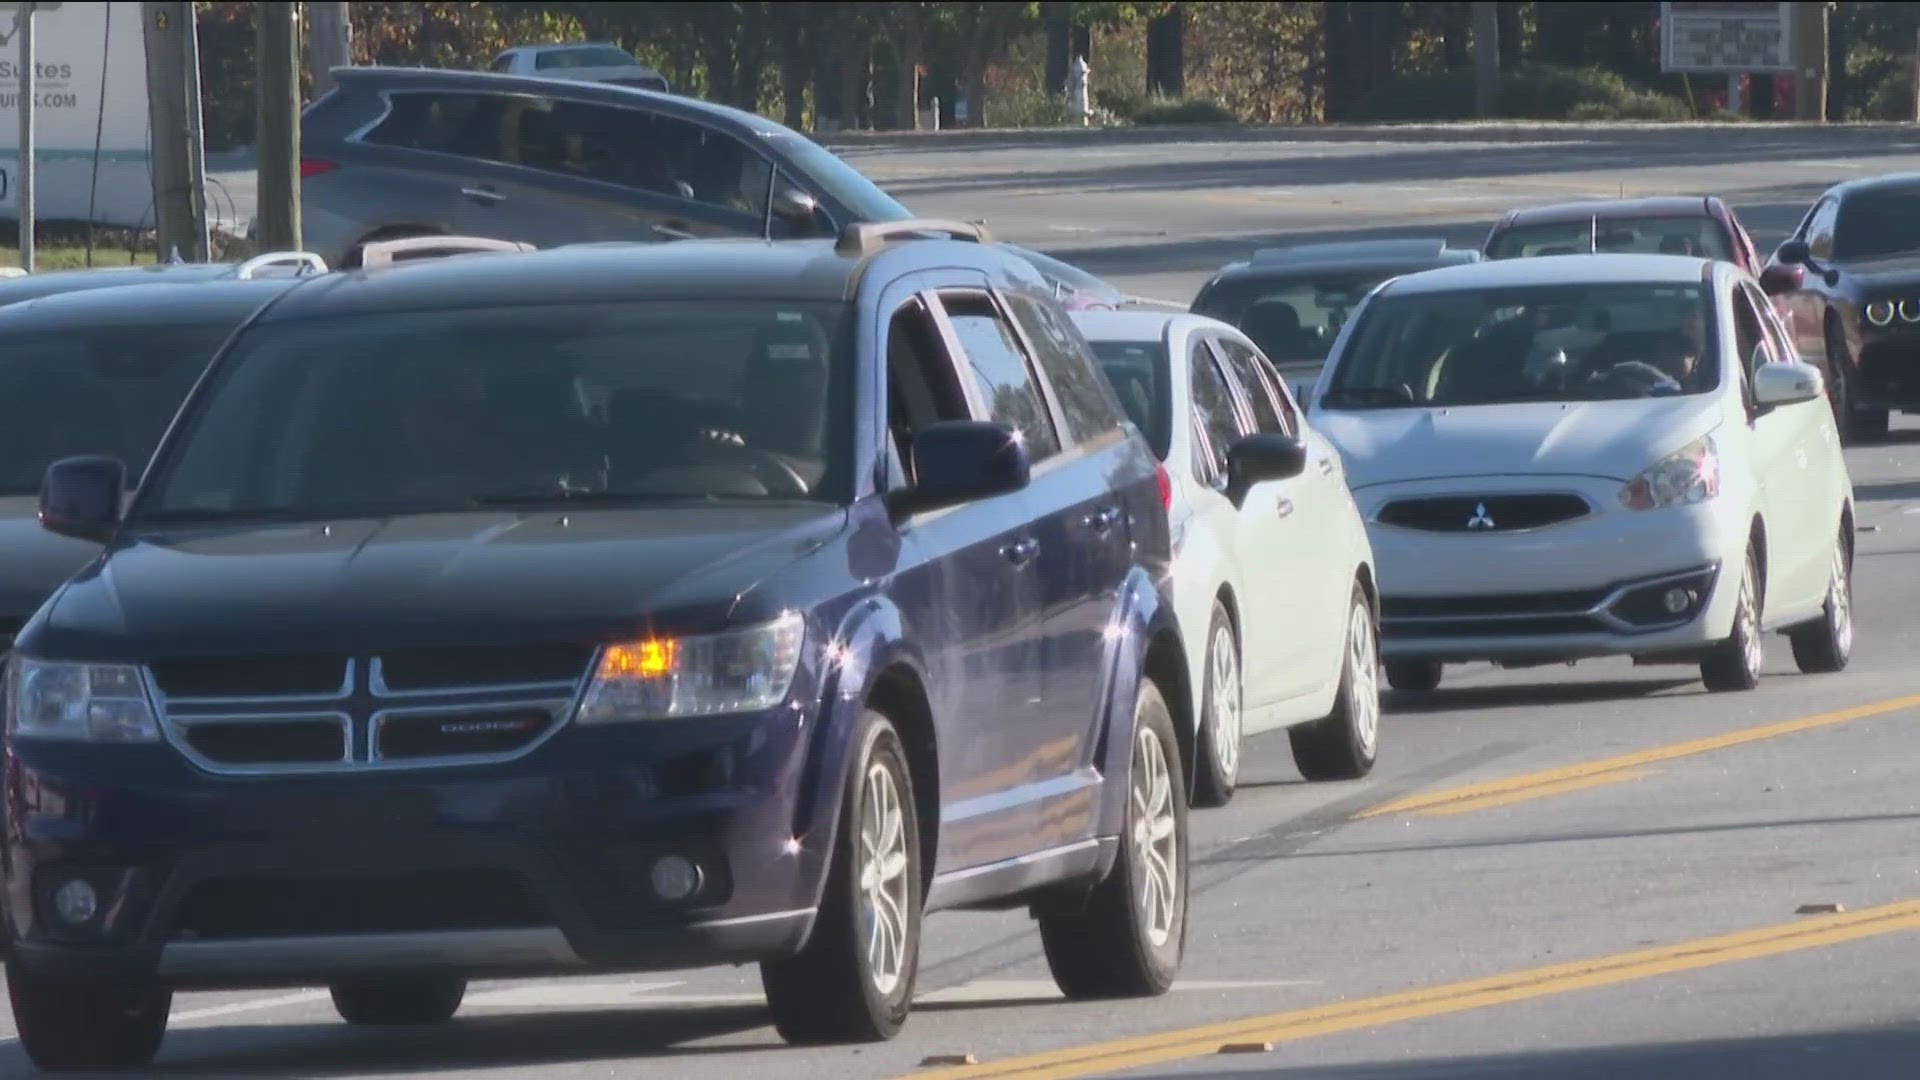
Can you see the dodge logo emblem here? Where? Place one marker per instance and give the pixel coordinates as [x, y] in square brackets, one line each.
[1480, 519]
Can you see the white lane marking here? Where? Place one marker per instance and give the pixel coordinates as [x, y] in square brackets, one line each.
[282, 1001]
[628, 995]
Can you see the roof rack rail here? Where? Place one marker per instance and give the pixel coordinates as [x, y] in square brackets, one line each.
[303, 262]
[408, 248]
[866, 237]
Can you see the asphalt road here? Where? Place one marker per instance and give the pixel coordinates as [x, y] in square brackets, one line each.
[1599, 870]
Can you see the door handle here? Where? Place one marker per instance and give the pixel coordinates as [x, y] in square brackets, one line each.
[1103, 520]
[1325, 465]
[1021, 551]
[674, 230]
[1283, 507]
[483, 195]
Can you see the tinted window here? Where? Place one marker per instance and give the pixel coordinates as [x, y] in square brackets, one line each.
[1748, 334]
[411, 412]
[835, 178]
[503, 62]
[1556, 343]
[1289, 320]
[1701, 236]
[465, 124]
[1086, 400]
[584, 56]
[1213, 401]
[1874, 224]
[94, 390]
[1246, 370]
[1138, 372]
[1000, 375]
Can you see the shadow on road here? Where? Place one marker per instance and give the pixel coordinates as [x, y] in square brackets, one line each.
[1905, 489]
[1868, 1054]
[1501, 697]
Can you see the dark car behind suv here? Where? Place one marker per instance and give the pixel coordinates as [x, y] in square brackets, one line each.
[1848, 280]
[463, 627]
[409, 151]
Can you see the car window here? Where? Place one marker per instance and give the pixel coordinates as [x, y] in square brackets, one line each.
[1267, 414]
[1876, 223]
[443, 410]
[1289, 320]
[1214, 411]
[1820, 240]
[583, 57]
[1779, 344]
[1462, 347]
[835, 178]
[1087, 401]
[923, 386]
[94, 390]
[1003, 382]
[503, 62]
[1137, 370]
[1748, 331]
[1699, 236]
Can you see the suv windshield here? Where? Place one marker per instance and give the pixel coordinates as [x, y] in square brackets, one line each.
[1138, 372]
[428, 411]
[1290, 320]
[93, 390]
[1557, 343]
[838, 179]
[1876, 224]
[1701, 237]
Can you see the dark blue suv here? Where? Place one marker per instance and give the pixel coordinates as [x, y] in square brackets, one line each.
[614, 607]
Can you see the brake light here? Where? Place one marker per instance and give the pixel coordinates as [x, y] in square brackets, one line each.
[1165, 481]
[310, 167]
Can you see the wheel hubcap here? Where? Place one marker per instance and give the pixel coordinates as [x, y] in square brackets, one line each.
[1840, 602]
[1225, 693]
[1363, 679]
[883, 878]
[1753, 651]
[1155, 846]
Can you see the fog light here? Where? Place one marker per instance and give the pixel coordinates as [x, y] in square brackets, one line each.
[1678, 600]
[75, 902]
[675, 878]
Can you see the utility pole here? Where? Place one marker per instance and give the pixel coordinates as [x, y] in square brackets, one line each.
[1486, 58]
[278, 144]
[329, 41]
[1810, 31]
[179, 201]
[23, 29]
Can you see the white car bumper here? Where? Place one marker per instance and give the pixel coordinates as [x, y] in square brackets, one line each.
[1596, 585]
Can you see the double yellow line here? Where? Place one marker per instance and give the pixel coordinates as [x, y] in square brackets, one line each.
[1260, 1032]
[1613, 770]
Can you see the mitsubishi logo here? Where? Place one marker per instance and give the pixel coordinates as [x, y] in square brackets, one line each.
[1480, 518]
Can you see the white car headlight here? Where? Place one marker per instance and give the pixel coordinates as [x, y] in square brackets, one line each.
[81, 702]
[659, 678]
[1687, 476]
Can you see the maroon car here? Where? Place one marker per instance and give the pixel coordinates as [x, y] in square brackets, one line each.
[1699, 225]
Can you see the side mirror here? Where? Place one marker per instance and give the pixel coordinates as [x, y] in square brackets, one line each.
[1782, 277]
[81, 497]
[1775, 385]
[962, 461]
[792, 204]
[1794, 253]
[1257, 459]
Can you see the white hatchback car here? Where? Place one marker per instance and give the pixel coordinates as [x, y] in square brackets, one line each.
[1591, 455]
[1272, 576]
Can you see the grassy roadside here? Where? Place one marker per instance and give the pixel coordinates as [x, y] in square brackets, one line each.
[73, 256]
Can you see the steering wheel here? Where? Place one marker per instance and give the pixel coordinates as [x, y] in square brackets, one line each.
[780, 477]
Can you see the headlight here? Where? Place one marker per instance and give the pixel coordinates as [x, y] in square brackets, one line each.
[658, 678]
[85, 702]
[1880, 312]
[1687, 476]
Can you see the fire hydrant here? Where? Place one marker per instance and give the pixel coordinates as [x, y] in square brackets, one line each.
[1079, 98]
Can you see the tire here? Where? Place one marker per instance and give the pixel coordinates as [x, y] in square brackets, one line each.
[847, 984]
[1826, 645]
[1344, 744]
[1216, 770]
[1856, 425]
[79, 1026]
[1126, 936]
[1735, 664]
[400, 999]
[1414, 676]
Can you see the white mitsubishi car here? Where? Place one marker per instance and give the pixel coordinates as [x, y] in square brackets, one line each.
[1272, 577]
[1592, 455]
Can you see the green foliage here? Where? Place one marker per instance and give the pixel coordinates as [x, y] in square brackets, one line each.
[1530, 92]
[1160, 109]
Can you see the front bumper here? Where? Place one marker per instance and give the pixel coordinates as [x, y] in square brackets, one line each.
[1887, 371]
[536, 866]
[1595, 586]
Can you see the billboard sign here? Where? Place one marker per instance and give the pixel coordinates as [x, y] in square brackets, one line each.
[1726, 38]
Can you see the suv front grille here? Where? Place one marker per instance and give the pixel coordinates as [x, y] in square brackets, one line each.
[467, 899]
[1483, 513]
[407, 709]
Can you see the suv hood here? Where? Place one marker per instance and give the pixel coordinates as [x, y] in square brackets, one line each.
[1612, 439]
[493, 577]
[33, 562]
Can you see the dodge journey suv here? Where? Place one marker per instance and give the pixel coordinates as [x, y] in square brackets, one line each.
[617, 607]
